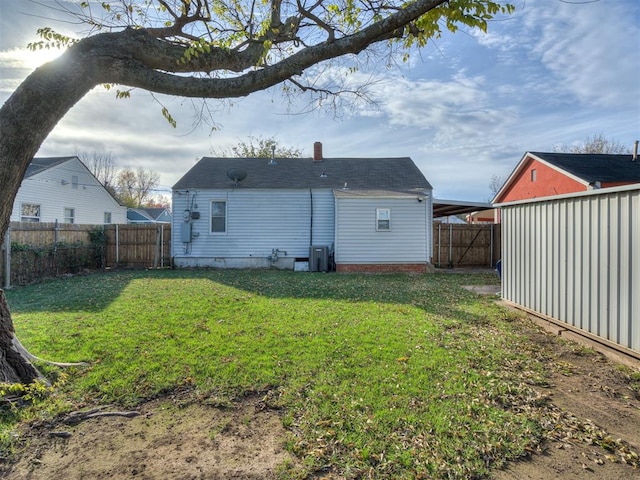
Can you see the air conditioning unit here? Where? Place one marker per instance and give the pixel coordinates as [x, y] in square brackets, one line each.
[319, 258]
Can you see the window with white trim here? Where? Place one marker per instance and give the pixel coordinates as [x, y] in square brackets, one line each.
[218, 216]
[107, 218]
[69, 215]
[74, 181]
[383, 219]
[30, 212]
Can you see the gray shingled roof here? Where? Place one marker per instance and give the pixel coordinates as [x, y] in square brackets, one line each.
[396, 174]
[595, 167]
[41, 164]
[154, 212]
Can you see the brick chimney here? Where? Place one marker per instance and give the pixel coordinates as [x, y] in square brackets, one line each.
[317, 152]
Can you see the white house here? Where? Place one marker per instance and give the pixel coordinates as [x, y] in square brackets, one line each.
[361, 214]
[62, 189]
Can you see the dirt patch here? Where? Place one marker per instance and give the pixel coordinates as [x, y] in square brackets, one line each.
[170, 439]
[593, 402]
[483, 289]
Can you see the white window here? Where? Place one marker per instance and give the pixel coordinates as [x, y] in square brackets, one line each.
[107, 218]
[74, 181]
[383, 219]
[29, 212]
[69, 215]
[534, 174]
[218, 216]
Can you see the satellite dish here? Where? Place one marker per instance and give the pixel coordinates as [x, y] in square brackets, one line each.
[236, 174]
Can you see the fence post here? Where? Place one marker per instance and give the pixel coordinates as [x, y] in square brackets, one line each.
[156, 250]
[55, 248]
[450, 246]
[162, 245]
[7, 258]
[491, 249]
[439, 244]
[117, 247]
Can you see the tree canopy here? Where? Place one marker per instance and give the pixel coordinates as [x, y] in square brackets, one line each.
[598, 143]
[202, 49]
[134, 188]
[260, 147]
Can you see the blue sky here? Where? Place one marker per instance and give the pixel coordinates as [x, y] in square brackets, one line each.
[467, 107]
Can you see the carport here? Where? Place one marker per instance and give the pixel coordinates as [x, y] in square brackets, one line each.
[444, 208]
[464, 245]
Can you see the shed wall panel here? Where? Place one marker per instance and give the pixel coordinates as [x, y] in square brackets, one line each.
[576, 259]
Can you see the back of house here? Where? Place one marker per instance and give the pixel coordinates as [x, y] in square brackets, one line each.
[357, 214]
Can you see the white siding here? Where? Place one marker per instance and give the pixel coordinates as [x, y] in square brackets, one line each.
[323, 218]
[357, 240]
[576, 259]
[54, 191]
[258, 221]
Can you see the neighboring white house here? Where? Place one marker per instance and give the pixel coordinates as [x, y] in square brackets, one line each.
[62, 189]
[364, 214]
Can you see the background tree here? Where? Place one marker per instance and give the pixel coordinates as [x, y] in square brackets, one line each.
[259, 147]
[495, 184]
[159, 201]
[596, 144]
[135, 189]
[202, 49]
[103, 166]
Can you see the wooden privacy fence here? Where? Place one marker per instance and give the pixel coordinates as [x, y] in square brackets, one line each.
[457, 245]
[138, 245]
[40, 250]
[33, 251]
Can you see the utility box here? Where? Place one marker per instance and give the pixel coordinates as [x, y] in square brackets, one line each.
[319, 258]
[185, 232]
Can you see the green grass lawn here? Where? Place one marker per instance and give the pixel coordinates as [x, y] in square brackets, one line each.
[393, 376]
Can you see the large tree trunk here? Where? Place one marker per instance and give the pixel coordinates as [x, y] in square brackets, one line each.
[26, 119]
[15, 367]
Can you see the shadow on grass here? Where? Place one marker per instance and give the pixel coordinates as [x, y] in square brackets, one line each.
[435, 293]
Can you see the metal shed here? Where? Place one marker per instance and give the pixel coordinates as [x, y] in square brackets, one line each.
[575, 259]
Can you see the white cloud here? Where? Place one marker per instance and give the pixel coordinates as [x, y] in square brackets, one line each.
[492, 39]
[455, 112]
[591, 49]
